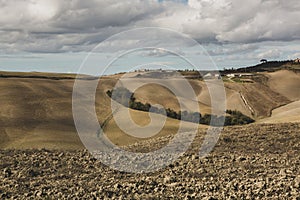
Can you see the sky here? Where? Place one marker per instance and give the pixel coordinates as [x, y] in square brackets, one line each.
[59, 36]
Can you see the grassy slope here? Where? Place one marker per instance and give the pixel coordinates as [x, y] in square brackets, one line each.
[287, 113]
[37, 112]
[286, 83]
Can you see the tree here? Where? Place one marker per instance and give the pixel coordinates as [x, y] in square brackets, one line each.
[264, 60]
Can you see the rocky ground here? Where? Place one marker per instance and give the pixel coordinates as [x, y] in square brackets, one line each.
[248, 162]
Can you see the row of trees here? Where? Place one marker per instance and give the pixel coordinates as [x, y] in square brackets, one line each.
[236, 118]
[126, 98]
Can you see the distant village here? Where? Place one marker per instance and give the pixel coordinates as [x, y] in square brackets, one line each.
[241, 73]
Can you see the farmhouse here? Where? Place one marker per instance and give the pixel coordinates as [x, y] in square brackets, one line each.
[245, 75]
[297, 60]
[218, 76]
[212, 76]
[230, 75]
[207, 76]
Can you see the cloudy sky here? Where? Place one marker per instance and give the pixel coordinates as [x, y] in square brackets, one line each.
[54, 35]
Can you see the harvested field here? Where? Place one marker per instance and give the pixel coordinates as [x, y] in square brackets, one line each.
[249, 162]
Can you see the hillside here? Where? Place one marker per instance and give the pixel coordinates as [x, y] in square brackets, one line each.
[287, 113]
[36, 113]
[36, 108]
[285, 83]
[269, 66]
[256, 98]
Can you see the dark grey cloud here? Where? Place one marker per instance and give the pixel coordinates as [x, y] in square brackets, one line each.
[94, 15]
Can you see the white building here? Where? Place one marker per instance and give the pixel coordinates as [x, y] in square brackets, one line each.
[218, 76]
[245, 75]
[230, 75]
[297, 60]
[208, 75]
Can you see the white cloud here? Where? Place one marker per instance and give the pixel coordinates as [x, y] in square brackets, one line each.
[270, 54]
[59, 26]
[159, 52]
[295, 55]
[271, 20]
[233, 49]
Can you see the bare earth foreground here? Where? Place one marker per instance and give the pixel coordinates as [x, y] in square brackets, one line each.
[259, 161]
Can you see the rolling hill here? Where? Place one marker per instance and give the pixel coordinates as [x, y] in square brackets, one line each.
[36, 108]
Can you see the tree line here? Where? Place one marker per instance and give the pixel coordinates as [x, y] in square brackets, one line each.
[126, 98]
